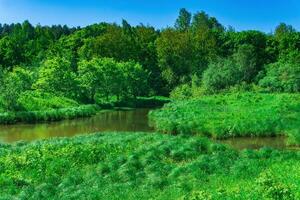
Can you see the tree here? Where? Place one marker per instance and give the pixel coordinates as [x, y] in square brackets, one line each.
[175, 56]
[283, 29]
[135, 77]
[107, 78]
[56, 76]
[284, 75]
[246, 62]
[220, 75]
[100, 76]
[14, 84]
[183, 21]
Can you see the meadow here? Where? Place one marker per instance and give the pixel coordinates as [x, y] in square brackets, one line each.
[145, 166]
[232, 115]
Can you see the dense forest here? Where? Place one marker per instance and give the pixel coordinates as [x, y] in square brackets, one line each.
[101, 62]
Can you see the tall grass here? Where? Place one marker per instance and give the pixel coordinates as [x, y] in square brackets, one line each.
[39, 101]
[231, 115]
[139, 102]
[49, 115]
[144, 166]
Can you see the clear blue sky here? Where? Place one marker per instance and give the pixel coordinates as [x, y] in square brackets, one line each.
[242, 14]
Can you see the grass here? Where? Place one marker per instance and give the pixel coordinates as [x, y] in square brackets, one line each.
[49, 115]
[45, 107]
[231, 115]
[144, 166]
[139, 102]
[40, 101]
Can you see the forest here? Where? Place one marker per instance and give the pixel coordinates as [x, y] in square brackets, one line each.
[211, 83]
[109, 62]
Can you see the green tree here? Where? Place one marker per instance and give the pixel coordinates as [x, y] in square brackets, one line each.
[136, 79]
[56, 76]
[101, 77]
[14, 84]
[183, 21]
[246, 62]
[175, 56]
[221, 75]
[284, 75]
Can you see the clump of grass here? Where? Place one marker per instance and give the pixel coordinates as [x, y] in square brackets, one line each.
[230, 115]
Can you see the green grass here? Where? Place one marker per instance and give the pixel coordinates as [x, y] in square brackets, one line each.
[40, 101]
[139, 102]
[48, 115]
[231, 115]
[144, 166]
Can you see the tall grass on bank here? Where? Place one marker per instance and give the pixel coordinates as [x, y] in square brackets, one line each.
[139, 102]
[144, 166]
[231, 115]
[49, 115]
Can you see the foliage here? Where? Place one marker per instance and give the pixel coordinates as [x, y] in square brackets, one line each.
[230, 115]
[106, 78]
[14, 83]
[144, 166]
[56, 76]
[283, 76]
[197, 45]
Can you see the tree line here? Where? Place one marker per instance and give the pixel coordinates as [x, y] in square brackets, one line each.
[196, 55]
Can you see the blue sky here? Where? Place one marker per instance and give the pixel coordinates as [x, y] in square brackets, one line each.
[242, 14]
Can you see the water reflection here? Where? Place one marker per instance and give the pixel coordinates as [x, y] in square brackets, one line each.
[131, 120]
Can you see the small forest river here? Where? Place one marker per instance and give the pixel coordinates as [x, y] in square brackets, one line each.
[122, 120]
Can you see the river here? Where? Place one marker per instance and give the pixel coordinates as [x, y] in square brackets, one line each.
[122, 120]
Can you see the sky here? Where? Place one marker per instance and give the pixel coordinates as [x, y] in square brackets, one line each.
[262, 15]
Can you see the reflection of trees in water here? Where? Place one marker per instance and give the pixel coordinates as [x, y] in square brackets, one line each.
[132, 120]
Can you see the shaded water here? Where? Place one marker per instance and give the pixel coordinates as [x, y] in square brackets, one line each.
[129, 120]
[256, 142]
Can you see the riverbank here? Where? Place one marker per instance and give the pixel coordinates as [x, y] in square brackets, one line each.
[79, 111]
[232, 115]
[50, 115]
[145, 166]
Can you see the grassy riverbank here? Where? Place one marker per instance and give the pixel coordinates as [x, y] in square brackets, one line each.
[144, 166]
[49, 115]
[231, 115]
[56, 109]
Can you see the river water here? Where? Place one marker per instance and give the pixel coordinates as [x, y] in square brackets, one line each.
[122, 120]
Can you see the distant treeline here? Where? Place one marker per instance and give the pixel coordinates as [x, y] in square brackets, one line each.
[197, 55]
